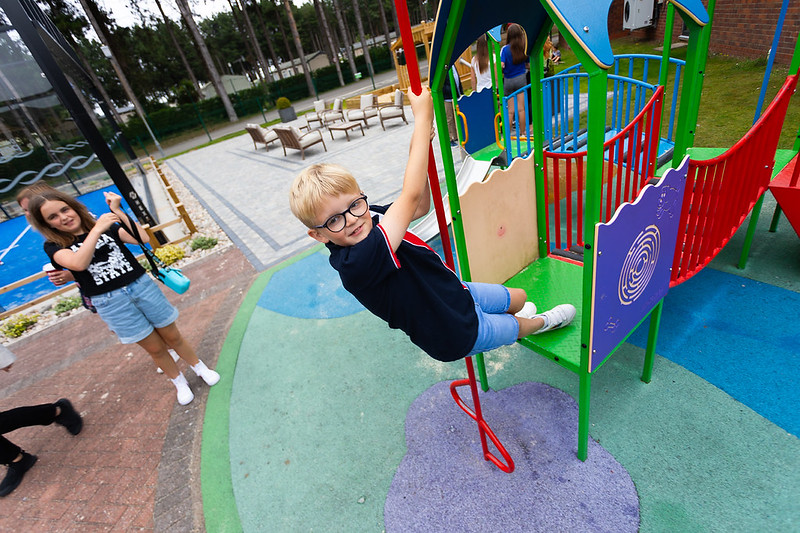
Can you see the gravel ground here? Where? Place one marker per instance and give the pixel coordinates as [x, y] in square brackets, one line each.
[203, 222]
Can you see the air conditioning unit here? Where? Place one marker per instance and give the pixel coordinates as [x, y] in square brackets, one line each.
[637, 14]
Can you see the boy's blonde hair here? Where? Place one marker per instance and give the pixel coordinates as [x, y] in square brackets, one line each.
[315, 183]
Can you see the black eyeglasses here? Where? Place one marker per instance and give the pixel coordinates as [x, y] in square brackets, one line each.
[336, 223]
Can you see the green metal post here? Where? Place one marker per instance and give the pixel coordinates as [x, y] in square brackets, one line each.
[537, 130]
[694, 72]
[652, 337]
[669, 24]
[596, 116]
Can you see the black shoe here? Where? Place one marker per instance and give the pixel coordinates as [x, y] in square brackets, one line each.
[69, 417]
[16, 471]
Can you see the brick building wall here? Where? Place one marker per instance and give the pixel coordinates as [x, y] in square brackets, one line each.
[740, 28]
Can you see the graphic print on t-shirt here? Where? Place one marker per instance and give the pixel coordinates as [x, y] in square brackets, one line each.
[109, 263]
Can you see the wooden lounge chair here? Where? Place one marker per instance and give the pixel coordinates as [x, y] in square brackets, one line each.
[291, 137]
[395, 110]
[334, 114]
[366, 110]
[261, 135]
[316, 115]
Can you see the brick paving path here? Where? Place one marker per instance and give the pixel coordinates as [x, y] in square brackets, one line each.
[136, 464]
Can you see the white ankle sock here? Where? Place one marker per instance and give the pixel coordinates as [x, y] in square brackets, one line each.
[185, 394]
[211, 377]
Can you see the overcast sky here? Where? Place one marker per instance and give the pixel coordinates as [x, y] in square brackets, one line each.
[125, 17]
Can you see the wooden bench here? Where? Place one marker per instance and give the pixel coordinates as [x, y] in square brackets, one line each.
[291, 137]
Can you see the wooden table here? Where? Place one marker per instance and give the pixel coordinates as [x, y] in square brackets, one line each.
[345, 127]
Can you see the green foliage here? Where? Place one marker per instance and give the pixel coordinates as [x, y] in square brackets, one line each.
[145, 264]
[170, 253]
[202, 242]
[283, 103]
[66, 304]
[18, 324]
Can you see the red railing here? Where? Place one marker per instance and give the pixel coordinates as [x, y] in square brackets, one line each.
[630, 160]
[721, 192]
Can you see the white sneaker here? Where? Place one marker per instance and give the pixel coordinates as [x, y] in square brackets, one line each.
[175, 358]
[557, 317]
[528, 311]
[211, 377]
[185, 394]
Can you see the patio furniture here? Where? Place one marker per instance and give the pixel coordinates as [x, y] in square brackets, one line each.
[333, 114]
[395, 110]
[291, 137]
[261, 135]
[345, 127]
[316, 115]
[367, 109]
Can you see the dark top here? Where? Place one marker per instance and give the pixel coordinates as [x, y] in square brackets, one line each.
[412, 289]
[113, 265]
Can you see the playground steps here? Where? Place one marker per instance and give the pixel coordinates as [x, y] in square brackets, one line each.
[550, 282]
[785, 186]
[575, 253]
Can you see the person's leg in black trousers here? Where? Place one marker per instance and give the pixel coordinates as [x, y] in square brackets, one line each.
[16, 458]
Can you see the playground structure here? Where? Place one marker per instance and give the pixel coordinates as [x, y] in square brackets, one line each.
[572, 218]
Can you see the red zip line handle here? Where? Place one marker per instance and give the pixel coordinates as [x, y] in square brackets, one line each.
[412, 66]
[416, 86]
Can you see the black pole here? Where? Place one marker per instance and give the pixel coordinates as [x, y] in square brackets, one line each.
[23, 23]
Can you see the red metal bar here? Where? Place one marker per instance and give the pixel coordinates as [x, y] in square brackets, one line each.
[720, 192]
[581, 187]
[557, 202]
[569, 204]
[416, 86]
[477, 416]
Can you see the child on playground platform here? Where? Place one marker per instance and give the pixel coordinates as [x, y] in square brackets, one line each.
[396, 275]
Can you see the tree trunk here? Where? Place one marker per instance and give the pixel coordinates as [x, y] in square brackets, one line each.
[186, 13]
[299, 45]
[192, 77]
[326, 30]
[102, 34]
[259, 53]
[285, 40]
[268, 36]
[343, 30]
[364, 47]
[385, 25]
[248, 45]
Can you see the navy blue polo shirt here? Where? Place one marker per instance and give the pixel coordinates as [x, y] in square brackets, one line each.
[412, 289]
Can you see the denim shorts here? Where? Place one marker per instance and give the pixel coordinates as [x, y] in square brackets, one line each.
[495, 326]
[133, 311]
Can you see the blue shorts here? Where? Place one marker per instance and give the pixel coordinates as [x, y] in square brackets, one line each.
[133, 311]
[495, 326]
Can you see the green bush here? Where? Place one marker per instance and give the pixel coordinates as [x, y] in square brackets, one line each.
[170, 253]
[283, 103]
[67, 304]
[202, 242]
[18, 324]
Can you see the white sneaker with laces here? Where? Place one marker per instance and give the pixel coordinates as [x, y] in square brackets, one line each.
[528, 311]
[557, 317]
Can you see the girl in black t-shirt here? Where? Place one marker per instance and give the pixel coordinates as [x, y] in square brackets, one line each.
[127, 300]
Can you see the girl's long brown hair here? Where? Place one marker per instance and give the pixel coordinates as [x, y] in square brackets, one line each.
[61, 238]
[482, 53]
[517, 40]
